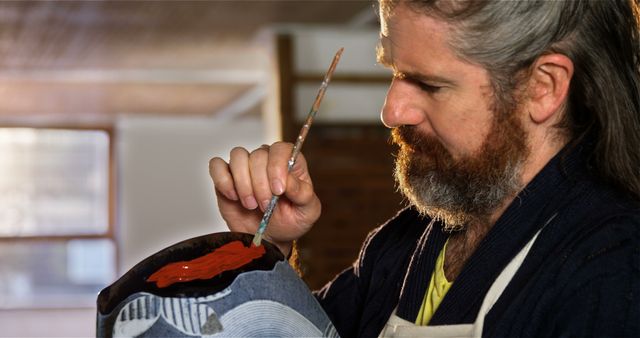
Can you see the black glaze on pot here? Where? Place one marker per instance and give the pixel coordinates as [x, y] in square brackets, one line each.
[135, 280]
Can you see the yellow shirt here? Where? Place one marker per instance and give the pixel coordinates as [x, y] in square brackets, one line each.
[438, 287]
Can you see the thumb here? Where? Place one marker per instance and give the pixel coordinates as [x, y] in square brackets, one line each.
[299, 192]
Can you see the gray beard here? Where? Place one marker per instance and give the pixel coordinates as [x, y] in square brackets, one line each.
[457, 204]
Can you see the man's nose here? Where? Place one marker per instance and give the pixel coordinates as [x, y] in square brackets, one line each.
[401, 105]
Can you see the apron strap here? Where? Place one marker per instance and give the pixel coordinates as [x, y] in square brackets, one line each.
[500, 284]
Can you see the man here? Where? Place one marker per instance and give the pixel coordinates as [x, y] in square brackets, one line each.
[518, 126]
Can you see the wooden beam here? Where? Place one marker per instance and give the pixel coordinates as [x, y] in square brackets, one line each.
[284, 47]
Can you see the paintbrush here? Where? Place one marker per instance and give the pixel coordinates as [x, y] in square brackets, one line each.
[298, 145]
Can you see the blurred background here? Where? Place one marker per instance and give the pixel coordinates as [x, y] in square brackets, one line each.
[111, 110]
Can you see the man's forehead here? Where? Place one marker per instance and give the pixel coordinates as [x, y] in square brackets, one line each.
[383, 38]
[404, 27]
[385, 7]
[414, 45]
[382, 53]
[384, 26]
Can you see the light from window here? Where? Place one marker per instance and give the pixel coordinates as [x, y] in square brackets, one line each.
[56, 245]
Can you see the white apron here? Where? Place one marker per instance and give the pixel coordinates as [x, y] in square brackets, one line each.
[398, 327]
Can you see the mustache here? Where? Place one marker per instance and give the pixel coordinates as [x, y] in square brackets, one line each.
[409, 138]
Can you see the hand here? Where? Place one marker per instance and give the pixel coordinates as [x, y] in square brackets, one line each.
[245, 185]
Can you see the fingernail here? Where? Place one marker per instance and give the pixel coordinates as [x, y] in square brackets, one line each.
[265, 204]
[250, 202]
[232, 195]
[277, 186]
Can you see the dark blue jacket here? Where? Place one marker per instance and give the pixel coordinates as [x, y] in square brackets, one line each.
[581, 277]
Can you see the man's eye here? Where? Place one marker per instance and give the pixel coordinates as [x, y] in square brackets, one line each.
[425, 87]
[428, 88]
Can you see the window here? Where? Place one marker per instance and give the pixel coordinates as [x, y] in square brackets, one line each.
[57, 244]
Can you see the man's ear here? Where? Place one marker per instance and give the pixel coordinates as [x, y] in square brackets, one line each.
[548, 86]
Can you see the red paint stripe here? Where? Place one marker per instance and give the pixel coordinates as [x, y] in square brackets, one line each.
[227, 257]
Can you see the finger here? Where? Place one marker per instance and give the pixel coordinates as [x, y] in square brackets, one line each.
[258, 160]
[300, 170]
[222, 180]
[239, 166]
[279, 154]
[299, 192]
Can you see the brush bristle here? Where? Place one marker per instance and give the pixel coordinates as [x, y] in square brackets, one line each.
[257, 239]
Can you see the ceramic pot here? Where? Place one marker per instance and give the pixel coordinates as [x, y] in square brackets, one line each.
[264, 297]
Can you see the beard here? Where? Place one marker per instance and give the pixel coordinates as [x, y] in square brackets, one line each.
[467, 189]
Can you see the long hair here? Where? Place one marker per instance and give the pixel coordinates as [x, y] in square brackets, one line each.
[600, 37]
